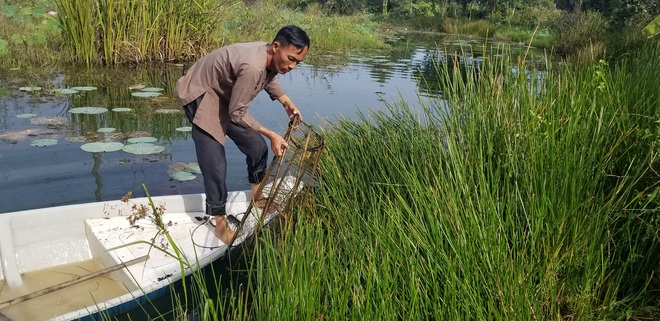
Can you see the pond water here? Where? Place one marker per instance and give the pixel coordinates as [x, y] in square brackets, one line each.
[61, 174]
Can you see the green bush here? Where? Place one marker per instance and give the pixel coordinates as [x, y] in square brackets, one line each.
[580, 35]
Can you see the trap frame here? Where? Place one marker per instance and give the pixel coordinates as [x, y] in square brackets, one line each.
[290, 178]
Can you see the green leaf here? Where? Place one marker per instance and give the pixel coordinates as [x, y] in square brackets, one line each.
[653, 28]
[98, 147]
[137, 140]
[143, 148]
[44, 142]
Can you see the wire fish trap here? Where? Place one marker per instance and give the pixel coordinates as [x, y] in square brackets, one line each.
[290, 178]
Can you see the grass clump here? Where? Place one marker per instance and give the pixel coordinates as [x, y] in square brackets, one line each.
[328, 32]
[130, 31]
[107, 32]
[512, 199]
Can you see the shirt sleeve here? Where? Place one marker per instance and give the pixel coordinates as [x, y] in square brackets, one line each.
[274, 89]
[241, 97]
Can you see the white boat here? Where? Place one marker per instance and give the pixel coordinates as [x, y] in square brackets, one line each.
[43, 249]
[78, 261]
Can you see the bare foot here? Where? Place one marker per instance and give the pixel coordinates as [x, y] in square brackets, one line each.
[222, 230]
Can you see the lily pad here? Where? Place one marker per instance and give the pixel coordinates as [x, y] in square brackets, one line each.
[88, 110]
[16, 135]
[84, 88]
[136, 140]
[49, 121]
[143, 148]
[183, 176]
[106, 130]
[184, 129]
[121, 109]
[26, 115]
[43, 142]
[30, 88]
[65, 91]
[193, 169]
[167, 111]
[97, 147]
[145, 94]
[176, 167]
[152, 89]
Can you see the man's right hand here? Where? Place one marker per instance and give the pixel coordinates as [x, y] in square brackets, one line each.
[277, 142]
[278, 145]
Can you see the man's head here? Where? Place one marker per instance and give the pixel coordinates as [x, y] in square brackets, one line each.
[289, 47]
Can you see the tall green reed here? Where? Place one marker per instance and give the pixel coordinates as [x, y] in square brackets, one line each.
[522, 196]
[78, 28]
[137, 31]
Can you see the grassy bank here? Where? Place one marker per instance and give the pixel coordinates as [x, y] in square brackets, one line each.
[42, 33]
[521, 202]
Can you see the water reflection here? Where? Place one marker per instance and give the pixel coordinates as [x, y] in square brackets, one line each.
[34, 177]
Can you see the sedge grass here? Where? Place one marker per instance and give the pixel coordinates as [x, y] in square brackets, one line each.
[515, 204]
[138, 31]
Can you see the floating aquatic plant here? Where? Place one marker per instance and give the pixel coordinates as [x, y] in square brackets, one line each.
[143, 148]
[106, 130]
[65, 91]
[98, 147]
[136, 87]
[26, 115]
[121, 109]
[152, 89]
[167, 111]
[16, 135]
[193, 169]
[183, 176]
[88, 110]
[30, 88]
[49, 121]
[84, 88]
[184, 129]
[183, 172]
[146, 139]
[145, 94]
[43, 142]
[112, 137]
[138, 133]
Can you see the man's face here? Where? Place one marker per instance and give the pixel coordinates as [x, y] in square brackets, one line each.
[286, 57]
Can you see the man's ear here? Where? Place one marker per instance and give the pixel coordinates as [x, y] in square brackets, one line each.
[276, 46]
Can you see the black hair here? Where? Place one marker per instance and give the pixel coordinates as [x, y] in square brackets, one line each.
[292, 35]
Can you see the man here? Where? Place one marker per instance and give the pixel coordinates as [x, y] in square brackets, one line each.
[216, 93]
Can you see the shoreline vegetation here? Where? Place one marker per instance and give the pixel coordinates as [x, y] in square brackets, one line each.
[517, 196]
[120, 32]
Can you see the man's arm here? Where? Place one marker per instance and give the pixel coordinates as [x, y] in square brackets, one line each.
[289, 106]
[241, 97]
[276, 92]
[277, 142]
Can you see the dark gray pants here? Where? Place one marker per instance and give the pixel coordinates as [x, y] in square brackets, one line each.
[213, 164]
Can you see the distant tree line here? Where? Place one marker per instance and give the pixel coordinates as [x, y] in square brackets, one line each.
[618, 12]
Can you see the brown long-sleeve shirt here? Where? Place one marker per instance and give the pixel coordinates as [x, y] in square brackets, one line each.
[229, 78]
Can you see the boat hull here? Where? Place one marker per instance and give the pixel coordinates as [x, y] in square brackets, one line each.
[42, 239]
